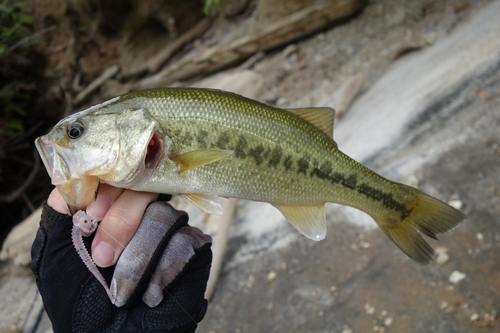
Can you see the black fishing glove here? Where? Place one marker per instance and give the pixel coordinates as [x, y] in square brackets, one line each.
[76, 302]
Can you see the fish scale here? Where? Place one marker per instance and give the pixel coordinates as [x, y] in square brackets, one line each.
[218, 144]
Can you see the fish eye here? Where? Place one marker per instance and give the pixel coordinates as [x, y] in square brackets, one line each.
[75, 130]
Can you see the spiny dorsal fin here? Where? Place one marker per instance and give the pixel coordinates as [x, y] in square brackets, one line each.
[197, 158]
[322, 118]
[308, 219]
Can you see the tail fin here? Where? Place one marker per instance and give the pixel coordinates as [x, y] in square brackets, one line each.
[429, 217]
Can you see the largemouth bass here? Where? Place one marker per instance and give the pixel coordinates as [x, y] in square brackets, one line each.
[204, 144]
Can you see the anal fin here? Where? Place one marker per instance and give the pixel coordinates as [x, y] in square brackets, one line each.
[308, 219]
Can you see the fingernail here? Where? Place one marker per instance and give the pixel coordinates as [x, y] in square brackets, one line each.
[103, 254]
[99, 207]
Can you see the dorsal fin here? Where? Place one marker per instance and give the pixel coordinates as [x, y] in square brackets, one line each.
[322, 118]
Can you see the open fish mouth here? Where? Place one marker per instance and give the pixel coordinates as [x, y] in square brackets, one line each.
[57, 161]
[46, 152]
[77, 191]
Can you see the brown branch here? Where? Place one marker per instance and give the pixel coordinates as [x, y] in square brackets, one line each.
[29, 38]
[220, 243]
[294, 26]
[155, 63]
[27, 182]
[94, 85]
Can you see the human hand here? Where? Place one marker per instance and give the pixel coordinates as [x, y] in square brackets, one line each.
[172, 294]
[120, 212]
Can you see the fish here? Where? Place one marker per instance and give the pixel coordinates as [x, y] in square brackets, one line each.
[206, 144]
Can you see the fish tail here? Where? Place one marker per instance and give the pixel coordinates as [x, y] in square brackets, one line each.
[429, 217]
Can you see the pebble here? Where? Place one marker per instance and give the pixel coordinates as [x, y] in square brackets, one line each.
[284, 266]
[281, 101]
[411, 180]
[333, 288]
[479, 236]
[370, 309]
[456, 203]
[271, 276]
[440, 249]
[250, 281]
[429, 38]
[474, 317]
[456, 277]
[347, 330]
[488, 320]
[388, 321]
[270, 97]
[290, 49]
[441, 255]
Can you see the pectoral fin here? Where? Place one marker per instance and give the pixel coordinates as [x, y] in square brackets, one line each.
[206, 203]
[197, 158]
[308, 219]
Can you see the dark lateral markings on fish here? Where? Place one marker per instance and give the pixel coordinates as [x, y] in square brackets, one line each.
[325, 172]
[351, 182]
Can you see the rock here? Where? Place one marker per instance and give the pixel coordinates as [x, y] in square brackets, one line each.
[411, 180]
[271, 276]
[441, 255]
[456, 277]
[456, 203]
[428, 38]
[341, 95]
[250, 281]
[404, 94]
[19, 293]
[246, 83]
[281, 102]
[370, 309]
[17, 245]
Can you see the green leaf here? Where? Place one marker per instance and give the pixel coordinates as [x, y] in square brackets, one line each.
[208, 6]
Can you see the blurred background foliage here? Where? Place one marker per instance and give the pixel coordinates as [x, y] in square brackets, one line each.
[14, 36]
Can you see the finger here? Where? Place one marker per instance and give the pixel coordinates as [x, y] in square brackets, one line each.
[105, 198]
[119, 225]
[56, 201]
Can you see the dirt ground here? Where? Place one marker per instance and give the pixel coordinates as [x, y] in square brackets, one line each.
[445, 139]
